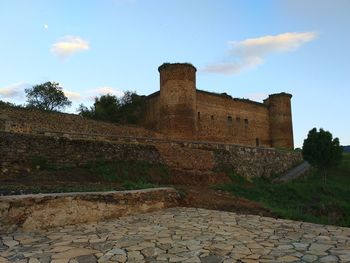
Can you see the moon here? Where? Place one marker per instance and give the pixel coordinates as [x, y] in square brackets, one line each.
[46, 26]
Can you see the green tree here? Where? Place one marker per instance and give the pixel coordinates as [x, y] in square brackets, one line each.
[126, 109]
[106, 107]
[321, 150]
[47, 96]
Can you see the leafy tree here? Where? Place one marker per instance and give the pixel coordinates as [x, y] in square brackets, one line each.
[6, 104]
[47, 96]
[321, 150]
[126, 109]
[131, 108]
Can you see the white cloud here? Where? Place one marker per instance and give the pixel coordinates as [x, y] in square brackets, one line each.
[234, 67]
[103, 91]
[72, 95]
[15, 90]
[69, 45]
[251, 52]
[110, 90]
[257, 96]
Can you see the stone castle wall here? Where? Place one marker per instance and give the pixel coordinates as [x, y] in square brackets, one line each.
[232, 120]
[180, 111]
[152, 112]
[177, 99]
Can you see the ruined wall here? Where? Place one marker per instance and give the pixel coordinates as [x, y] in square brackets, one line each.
[221, 118]
[37, 121]
[43, 211]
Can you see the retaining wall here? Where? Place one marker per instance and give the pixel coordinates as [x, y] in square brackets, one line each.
[18, 151]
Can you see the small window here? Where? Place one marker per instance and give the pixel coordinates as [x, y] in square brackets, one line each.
[229, 120]
[238, 119]
[212, 117]
[257, 142]
[246, 122]
[199, 115]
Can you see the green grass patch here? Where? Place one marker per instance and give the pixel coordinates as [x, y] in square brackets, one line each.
[137, 172]
[306, 199]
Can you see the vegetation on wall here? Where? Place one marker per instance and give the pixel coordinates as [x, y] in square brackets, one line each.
[125, 110]
[167, 64]
[47, 96]
[99, 175]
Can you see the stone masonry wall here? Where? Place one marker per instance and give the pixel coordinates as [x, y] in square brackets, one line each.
[18, 150]
[237, 121]
[43, 211]
[36, 121]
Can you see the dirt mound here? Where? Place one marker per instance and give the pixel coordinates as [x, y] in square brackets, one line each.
[204, 197]
[196, 178]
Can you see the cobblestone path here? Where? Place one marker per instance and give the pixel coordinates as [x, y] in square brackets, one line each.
[182, 235]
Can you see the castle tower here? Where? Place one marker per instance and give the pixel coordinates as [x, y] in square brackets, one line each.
[178, 100]
[280, 115]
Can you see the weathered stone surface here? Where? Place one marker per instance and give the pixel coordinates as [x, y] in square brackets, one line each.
[183, 235]
[86, 259]
[194, 157]
[72, 253]
[33, 212]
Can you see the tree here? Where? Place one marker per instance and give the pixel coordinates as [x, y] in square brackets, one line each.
[321, 150]
[105, 108]
[126, 109]
[47, 96]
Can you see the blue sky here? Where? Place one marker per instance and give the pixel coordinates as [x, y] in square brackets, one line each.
[246, 48]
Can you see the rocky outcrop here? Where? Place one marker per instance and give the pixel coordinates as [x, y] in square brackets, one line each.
[43, 211]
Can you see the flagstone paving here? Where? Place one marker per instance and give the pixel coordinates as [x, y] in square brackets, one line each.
[182, 235]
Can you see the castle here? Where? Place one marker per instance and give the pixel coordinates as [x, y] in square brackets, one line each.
[181, 111]
[193, 133]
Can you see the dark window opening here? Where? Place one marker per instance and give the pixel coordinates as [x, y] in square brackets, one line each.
[212, 117]
[229, 120]
[238, 119]
[246, 122]
[257, 142]
[199, 115]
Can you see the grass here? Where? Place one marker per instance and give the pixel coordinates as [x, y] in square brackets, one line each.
[101, 175]
[127, 172]
[307, 199]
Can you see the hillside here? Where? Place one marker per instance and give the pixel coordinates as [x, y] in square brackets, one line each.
[346, 148]
[306, 199]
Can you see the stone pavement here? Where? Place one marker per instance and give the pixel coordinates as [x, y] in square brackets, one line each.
[182, 235]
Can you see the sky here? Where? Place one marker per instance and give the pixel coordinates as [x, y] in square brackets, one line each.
[246, 48]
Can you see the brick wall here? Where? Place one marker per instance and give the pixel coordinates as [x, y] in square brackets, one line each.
[232, 120]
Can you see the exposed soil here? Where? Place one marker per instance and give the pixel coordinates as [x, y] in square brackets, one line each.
[205, 197]
[194, 188]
